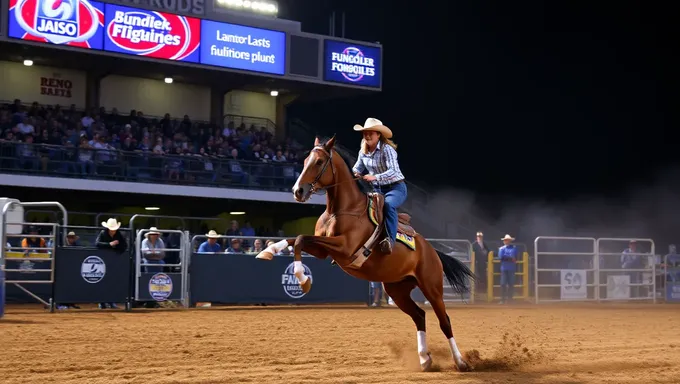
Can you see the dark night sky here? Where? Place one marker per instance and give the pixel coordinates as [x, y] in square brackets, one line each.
[571, 96]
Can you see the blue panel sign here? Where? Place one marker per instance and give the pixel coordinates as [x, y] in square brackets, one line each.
[351, 63]
[76, 23]
[240, 47]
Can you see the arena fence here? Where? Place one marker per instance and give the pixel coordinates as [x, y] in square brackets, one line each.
[493, 273]
[589, 269]
[671, 276]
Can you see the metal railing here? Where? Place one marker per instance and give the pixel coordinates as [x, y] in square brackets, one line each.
[113, 164]
[248, 121]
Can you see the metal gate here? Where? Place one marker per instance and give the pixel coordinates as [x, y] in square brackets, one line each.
[162, 282]
[461, 249]
[29, 266]
[565, 269]
[627, 274]
[590, 269]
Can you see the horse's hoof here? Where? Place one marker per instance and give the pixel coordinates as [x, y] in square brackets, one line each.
[427, 365]
[306, 286]
[463, 367]
[265, 255]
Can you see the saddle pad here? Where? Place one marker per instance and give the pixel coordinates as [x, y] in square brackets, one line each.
[401, 237]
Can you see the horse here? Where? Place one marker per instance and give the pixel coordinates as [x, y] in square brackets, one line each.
[349, 230]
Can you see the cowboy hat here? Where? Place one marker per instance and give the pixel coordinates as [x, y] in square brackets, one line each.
[373, 124]
[508, 237]
[111, 224]
[152, 231]
[71, 234]
[480, 234]
[212, 234]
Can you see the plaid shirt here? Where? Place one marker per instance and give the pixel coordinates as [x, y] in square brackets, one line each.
[381, 163]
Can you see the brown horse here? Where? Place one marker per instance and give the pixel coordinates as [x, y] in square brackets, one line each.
[347, 232]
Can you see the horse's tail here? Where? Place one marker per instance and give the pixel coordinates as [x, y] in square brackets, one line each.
[457, 273]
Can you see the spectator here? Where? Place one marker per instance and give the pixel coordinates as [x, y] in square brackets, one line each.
[257, 246]
[481, 251]
[631, 259]
[377, 288]
[111, 238]
[153, 250]
[235, 246]
[33, 241]
[234, 230]
[507, 254]
[249, 231]
[72, 240]
[210, 245]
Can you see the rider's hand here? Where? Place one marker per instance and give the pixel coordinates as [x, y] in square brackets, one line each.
[369, 178]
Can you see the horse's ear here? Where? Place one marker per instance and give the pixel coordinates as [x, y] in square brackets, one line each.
[330, 143]
[316, 141]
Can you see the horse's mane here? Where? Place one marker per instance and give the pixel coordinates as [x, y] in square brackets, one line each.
[363, 186]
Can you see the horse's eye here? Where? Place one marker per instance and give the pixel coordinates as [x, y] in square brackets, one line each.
[319, 162]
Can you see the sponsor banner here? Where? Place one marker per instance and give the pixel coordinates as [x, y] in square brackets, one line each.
[76, 23]
[351, 63]
[573, 284]
[151, 34]
[673, 291]
[240, 47]
[618, 287]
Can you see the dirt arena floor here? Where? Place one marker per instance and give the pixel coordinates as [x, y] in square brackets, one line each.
[522, 344]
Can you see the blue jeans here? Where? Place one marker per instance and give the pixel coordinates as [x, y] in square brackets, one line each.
[395, 196]
[507, 285]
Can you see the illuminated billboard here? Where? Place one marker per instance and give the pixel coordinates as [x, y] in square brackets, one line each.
[76, 23]
[351, 63]
[152, 34]
[240, 47]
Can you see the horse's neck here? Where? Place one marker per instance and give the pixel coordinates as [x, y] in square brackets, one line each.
[345, 196]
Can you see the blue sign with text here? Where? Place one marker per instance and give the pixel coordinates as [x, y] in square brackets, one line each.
[240, 47]
[351, 63]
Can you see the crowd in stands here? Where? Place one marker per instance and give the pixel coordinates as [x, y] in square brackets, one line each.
[50, 139]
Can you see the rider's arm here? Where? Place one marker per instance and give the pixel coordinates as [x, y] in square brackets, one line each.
[359, 167]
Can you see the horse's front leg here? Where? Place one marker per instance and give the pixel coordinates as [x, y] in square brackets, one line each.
[269, 252]
[315, 245]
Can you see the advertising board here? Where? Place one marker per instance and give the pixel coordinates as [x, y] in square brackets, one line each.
[240, 47]
[76, 23]
[351, 63]
[152, 34]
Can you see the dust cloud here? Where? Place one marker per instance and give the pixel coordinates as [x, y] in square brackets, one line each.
[643, 210]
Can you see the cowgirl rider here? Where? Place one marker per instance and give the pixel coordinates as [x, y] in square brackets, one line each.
[378, 157]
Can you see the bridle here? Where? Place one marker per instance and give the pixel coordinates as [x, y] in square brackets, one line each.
[329, 160]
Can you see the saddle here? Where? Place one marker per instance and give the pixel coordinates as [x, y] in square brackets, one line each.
[376, 213]
[404, 222]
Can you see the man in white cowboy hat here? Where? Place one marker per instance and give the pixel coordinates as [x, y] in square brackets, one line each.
[507, 254]
[152, 250]
[210, 245]
[378, 157]
[111, 238]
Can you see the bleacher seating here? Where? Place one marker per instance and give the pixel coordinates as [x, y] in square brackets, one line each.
[58, 141]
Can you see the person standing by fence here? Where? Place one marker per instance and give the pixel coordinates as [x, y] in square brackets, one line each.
[507, 254]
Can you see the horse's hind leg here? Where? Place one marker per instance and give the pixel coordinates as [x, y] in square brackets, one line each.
[401, 295]
[433, 290]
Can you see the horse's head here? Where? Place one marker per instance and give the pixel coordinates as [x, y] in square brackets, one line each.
[318, 171]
